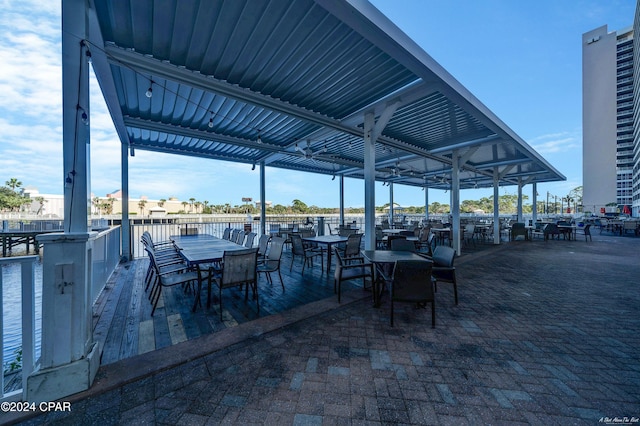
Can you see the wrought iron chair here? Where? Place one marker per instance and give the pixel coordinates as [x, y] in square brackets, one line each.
[412, 283]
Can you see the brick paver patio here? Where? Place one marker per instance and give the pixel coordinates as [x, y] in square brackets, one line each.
[545, 333]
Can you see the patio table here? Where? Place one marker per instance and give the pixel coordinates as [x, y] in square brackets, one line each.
[202, 248]
[328, 240]
[380, 258]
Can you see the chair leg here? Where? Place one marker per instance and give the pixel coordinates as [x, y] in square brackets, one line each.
[433, 313]
[155, 303]
[455, 290]
[281, 282]
[392, 312]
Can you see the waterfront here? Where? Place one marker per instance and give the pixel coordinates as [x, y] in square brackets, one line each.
[12, 302]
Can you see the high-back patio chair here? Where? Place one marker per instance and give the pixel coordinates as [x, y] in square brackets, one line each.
[248, 242]
[402, 244]
[350, 269]
[519, 229]
[272, 261]
[239, 269]
[307, 254]
[263, 243]
[239, 237]
[443, 269]
[412, 283]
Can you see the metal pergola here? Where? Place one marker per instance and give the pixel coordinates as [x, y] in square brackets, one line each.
[324, 86]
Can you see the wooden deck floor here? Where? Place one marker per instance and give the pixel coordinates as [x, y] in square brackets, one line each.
[123, 321]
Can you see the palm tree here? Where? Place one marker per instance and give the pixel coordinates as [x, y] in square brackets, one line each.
[198, 204]
[141, 204]
[192, 200]
[184, 205]
[40, 200]
[161, 202]
[13, 183]
[96, 204]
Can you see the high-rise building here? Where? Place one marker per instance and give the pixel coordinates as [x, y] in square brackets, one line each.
[611, 166]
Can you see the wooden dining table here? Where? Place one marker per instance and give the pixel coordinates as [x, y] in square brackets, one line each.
[384, 259]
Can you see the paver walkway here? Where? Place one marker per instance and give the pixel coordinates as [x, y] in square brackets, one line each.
[545, 333]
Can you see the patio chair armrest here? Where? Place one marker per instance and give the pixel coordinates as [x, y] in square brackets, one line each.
[426, 256]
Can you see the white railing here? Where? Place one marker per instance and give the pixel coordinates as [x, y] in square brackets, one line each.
[27, 274]
[105, 258]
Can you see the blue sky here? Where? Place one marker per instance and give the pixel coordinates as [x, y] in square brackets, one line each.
[520, 58]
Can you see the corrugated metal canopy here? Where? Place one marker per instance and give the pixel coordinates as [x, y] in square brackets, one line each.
[288, 83]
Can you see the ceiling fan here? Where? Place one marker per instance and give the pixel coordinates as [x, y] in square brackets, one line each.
[308, 152]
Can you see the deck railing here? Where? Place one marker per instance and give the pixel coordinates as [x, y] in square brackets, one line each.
[105, 257]
[23, 368]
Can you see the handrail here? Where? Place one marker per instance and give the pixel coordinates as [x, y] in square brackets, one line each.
[27, 274]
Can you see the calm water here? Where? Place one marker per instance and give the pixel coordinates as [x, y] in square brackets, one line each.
[12, 302]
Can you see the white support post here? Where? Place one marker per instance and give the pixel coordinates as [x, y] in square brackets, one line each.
[520, 218]
[534, 210]
[455, 201]
[426, 204]
[369, 184]
[75, 117]
[69, 357]
[126, 227]
[391, 209]
[263, 198]
[341, 200]
[496, 206]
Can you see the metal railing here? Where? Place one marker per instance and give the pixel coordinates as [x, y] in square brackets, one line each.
[28, 302]
[105, 258]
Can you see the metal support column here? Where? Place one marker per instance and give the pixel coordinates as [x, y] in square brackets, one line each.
[263, 199]
[496, 206]
[455, 201]
[126, 228]
[369, 184]
[341, 200]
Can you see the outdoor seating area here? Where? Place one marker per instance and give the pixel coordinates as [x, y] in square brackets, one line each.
[547, 370]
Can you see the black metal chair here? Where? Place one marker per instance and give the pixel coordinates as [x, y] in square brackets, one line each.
[586, 231]
[350, 269]
[402, 244]
[412, 283]
[443, 269]
[551, 230]
[519, 229]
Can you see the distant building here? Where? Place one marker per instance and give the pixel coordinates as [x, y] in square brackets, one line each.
[611, 170]
[52, 205]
